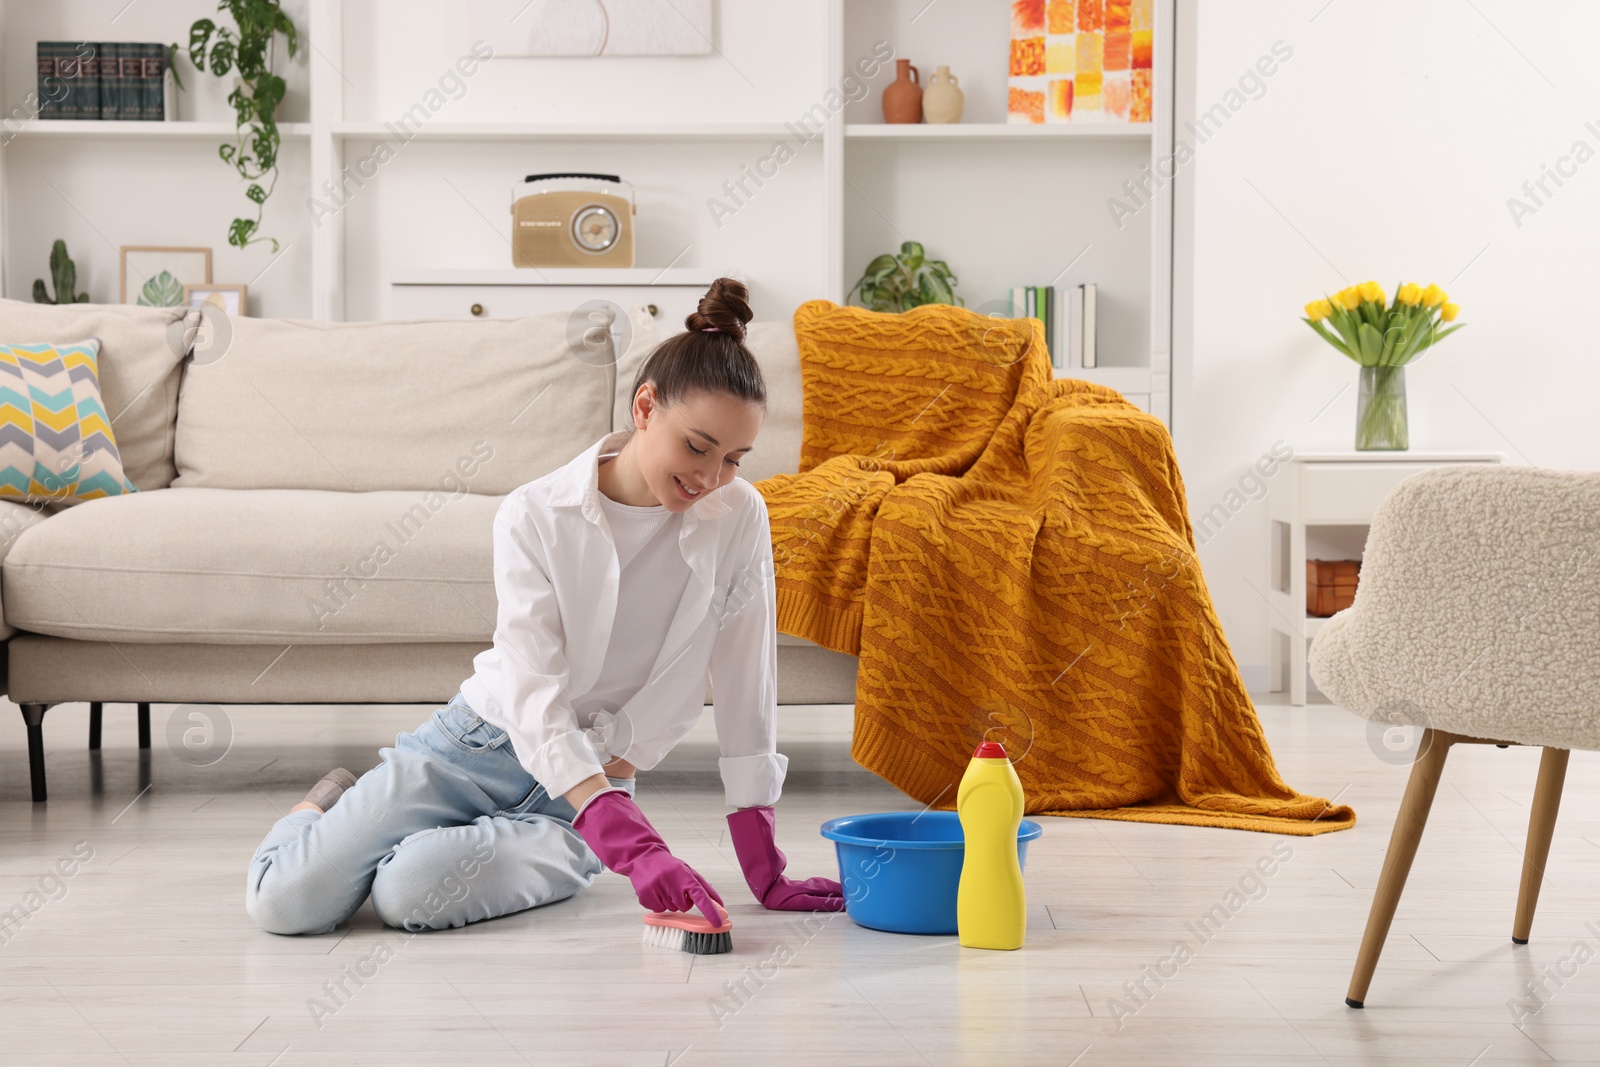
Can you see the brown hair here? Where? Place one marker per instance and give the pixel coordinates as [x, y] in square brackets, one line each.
[709, 356]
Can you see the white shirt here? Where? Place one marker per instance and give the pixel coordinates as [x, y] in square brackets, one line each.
[561, 585]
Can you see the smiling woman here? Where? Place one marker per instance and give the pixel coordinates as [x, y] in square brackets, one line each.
[613, 577]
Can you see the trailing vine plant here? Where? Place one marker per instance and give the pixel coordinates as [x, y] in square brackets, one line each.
[251, 49]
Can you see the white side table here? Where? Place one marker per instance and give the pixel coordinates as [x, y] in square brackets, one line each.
[1323, 513]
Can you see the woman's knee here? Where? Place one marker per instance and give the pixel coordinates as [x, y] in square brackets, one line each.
[424, 883]
[279, 906]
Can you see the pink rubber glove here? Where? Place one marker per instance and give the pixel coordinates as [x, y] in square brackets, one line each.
[614, 827]
[763, 864]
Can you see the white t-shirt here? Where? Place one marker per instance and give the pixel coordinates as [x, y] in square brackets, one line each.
[653, 574]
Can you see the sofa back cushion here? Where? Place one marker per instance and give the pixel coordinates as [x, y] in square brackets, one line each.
[777, 447]
[367, 406]
[141, 355]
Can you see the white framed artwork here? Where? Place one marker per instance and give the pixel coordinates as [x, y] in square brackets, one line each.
[230, 297]
[592, 27]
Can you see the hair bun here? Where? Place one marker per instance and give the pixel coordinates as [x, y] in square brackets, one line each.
[725, 308]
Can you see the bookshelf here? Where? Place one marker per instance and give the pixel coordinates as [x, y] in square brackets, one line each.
[1004, 204]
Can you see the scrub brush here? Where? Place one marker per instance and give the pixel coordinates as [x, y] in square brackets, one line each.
[688, 932]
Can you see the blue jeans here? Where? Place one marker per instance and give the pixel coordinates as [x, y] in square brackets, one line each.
[448, 829]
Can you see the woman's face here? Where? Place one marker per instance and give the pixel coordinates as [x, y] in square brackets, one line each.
[693, 446]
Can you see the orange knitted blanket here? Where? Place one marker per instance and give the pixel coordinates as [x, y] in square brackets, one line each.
[1010, 555]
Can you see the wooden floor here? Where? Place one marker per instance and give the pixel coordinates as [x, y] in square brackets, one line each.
[146, 956]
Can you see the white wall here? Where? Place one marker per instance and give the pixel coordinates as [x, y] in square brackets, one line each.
[1386, 147]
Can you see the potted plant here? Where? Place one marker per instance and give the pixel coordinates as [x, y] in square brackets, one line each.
[901, 282]
[251, 50]
[63, 275]
[1383, 337]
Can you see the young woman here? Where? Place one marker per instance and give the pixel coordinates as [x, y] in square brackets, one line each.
[623, 578]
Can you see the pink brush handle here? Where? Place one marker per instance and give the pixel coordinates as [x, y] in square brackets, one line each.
[693, 922]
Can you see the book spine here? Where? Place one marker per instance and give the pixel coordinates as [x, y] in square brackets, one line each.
[1016, 302]
[88, 79]
[130, 80]
[1064, 328]
[70, 77]
[1090, 357]
[44, 53]
[110, 72]
[152, 95]
[1075, 333]
[1051, 347]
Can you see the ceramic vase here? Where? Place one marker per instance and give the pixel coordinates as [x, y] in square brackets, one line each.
[902, 98]
[943, 99]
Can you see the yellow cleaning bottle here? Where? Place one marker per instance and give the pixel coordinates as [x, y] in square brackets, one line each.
[991, 906]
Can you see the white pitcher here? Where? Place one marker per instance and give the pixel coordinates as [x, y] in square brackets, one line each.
[942, 99]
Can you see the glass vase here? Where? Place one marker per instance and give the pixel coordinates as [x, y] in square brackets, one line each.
[1381, 410]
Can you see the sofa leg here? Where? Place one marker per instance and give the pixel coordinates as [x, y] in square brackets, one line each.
[33, 715]
[1408, 826]
[144, 725]
[94, 725]
[1541, 827]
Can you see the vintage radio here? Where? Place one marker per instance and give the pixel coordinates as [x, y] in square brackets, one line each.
[572, 220]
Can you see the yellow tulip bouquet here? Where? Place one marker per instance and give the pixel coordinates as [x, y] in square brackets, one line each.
[1383, 338]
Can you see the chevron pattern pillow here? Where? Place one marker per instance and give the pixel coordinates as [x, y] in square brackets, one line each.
[55, 436]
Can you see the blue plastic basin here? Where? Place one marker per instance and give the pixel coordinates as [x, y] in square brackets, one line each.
[900, 869]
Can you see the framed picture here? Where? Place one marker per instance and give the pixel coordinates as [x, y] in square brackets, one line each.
[156, 275]
[592, 27]
[230, 298]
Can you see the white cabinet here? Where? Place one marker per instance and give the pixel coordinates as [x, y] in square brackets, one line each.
[1323, 513]
[511, 293]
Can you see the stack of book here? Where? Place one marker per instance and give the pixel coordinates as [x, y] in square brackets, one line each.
[1068, 315]
[1038, 302]
[102, 80]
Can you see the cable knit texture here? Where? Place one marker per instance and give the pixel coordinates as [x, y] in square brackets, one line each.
[1010, 556]
[1477, 608]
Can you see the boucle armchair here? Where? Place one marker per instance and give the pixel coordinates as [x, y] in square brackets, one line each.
[1476, 619]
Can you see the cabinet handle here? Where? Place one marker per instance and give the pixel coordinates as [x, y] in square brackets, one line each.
[654, 311]
[477, 310]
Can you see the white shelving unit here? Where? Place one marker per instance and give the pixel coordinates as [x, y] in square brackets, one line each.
[1005, 204]
[1057, 177]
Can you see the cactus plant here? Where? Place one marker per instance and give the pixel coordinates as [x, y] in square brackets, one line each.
[65, 277]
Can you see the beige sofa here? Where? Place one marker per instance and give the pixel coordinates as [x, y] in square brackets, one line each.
[313, 520]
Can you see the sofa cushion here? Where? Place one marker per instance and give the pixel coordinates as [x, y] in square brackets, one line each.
[368, 406]
[777, 447]
[141, 355]
[56, 442]
[219, 566]
[15, 517]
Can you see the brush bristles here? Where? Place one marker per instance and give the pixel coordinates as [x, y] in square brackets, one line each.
[670, 937]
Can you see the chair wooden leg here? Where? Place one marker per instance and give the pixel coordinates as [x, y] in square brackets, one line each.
[1408, 826]
[1541, 827]
[33, 715]
[144, 725]
[95, 719]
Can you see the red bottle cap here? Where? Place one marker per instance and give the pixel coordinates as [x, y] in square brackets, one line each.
[990, 750]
